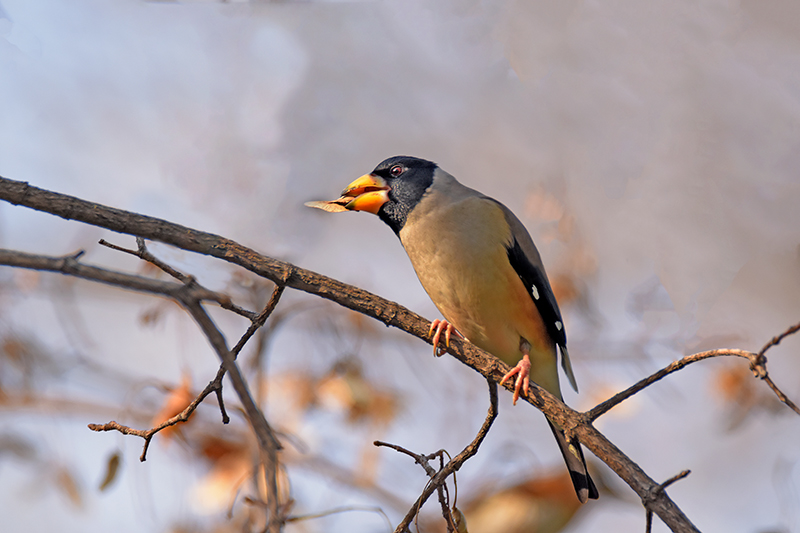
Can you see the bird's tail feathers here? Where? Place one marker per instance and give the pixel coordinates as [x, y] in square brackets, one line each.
[566, 364]
[576, 464]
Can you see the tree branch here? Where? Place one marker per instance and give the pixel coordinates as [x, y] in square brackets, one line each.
[268, 443]
[438, 479]
[144, 254]
[660, 488]
[758, 364]
[601, 409]
[189, 295]
[390, 313]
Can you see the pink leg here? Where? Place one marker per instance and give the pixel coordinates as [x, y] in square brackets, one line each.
[439, 326]
[522, 371]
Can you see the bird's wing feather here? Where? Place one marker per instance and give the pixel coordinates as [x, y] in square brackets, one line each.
[527, 263]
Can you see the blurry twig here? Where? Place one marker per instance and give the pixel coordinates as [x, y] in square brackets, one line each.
[336, 510]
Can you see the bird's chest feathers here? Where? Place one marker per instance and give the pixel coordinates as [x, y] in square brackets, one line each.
[458, 249]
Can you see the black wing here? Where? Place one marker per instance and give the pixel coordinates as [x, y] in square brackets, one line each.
[535, 280]
[525, 259]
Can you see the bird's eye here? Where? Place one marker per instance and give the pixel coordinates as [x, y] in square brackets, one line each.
[396, 171]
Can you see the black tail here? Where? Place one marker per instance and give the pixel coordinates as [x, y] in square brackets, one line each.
[573, 456]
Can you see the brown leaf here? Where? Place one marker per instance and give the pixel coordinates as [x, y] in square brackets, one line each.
[346, 386]
[69, 486]
[177, 400]
[544, 504]
[151, 316]
[742, 394]
[112, 469]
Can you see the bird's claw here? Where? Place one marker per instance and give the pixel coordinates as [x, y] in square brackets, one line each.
[439, 326]
[522, 371]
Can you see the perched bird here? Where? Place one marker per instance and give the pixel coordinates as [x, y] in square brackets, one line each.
[481, 269]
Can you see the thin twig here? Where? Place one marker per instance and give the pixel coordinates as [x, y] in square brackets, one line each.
[599, 410]
[343, 509]
[261, 318]
[215, 385]
[257, 322]
[148, 434]
[268, 442]
[453, 465]
[758, 364]
[144, 254]
[656, 493]
[760, 367]
[774, 341]
[781, 396]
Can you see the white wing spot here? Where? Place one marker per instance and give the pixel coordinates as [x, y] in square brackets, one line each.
[535, 292]
[558, 325]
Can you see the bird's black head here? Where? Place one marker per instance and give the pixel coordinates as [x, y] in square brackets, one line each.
[408, 178]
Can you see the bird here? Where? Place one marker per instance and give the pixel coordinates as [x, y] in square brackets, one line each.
[481, 269]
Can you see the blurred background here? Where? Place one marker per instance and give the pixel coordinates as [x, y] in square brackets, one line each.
[651, 148]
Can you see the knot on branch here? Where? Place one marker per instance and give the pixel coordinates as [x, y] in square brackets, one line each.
[70, 262]
[655, 492]
[758, 365]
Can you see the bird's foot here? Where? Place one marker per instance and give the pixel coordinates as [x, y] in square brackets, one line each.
[439, 326]
[522, 371]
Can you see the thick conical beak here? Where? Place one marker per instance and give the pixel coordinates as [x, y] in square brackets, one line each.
[368, 193]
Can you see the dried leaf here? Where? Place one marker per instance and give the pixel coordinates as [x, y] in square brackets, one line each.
[460, 520]
[542, 205]
[231, 466]
[68, 484]
[112, 469]
[151, 317]
[348, 389]
[177, 400]
[18, 351]
[545, 504]
[742, 395]
[334, 206]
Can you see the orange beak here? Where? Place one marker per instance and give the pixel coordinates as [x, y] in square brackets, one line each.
[368, 193]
